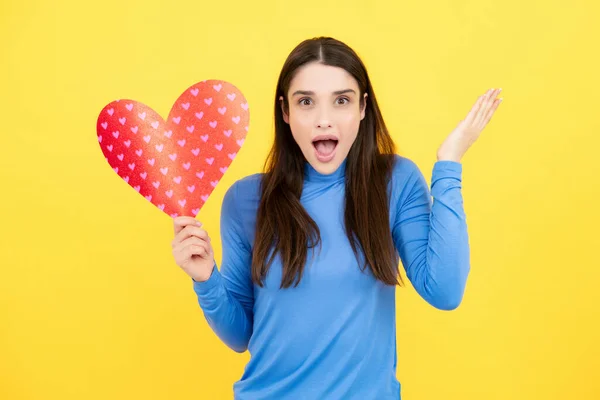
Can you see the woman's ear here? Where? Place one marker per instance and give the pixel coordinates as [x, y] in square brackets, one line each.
[285, 116]
[364, 106]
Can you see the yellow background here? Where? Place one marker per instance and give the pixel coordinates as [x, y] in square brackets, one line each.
[92, 303]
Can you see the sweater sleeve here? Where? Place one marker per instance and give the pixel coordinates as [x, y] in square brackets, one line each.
[227, 297]
[432, 237]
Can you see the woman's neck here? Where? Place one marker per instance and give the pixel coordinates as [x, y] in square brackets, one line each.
[312, 175]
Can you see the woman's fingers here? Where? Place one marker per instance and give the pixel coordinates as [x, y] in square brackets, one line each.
[181, 222]
[471, 116]
[196, 250]
[490, 96]
[190, 231]
[193, 244]
[491, 111]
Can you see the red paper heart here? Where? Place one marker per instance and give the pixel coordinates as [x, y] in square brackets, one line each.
[176, 164]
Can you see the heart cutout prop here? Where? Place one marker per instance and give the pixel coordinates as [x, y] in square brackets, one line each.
[177, 163]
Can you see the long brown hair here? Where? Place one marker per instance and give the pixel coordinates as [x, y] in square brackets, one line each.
[283, 226]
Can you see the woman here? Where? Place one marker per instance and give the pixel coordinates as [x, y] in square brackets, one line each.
[311, 247]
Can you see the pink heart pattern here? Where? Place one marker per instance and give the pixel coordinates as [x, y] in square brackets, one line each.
[176, 163]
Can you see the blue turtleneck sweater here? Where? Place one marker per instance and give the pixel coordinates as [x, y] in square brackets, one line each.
[334, 336]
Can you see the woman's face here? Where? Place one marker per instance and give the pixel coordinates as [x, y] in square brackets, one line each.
[324, 114]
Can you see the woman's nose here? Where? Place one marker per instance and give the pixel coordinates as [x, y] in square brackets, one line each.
[323, 119]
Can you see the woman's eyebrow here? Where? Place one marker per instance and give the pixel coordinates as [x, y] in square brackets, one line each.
[310, 92]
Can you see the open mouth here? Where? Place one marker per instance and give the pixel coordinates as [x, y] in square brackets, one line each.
[325, 147]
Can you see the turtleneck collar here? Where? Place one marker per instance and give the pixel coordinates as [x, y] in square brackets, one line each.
[312, 175]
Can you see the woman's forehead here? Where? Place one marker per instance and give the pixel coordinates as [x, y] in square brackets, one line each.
[322, 79]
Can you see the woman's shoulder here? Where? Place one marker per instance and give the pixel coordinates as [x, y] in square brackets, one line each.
[242, 199]
[249, 181]
[405, 177]
[403, 166]
[247, 187]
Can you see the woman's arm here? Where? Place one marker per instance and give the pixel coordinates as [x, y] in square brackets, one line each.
[227, 297]
[432, 239]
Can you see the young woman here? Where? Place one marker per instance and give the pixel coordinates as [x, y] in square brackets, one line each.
[311, 247]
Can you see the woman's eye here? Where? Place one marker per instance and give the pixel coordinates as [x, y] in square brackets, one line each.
[307, 101]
